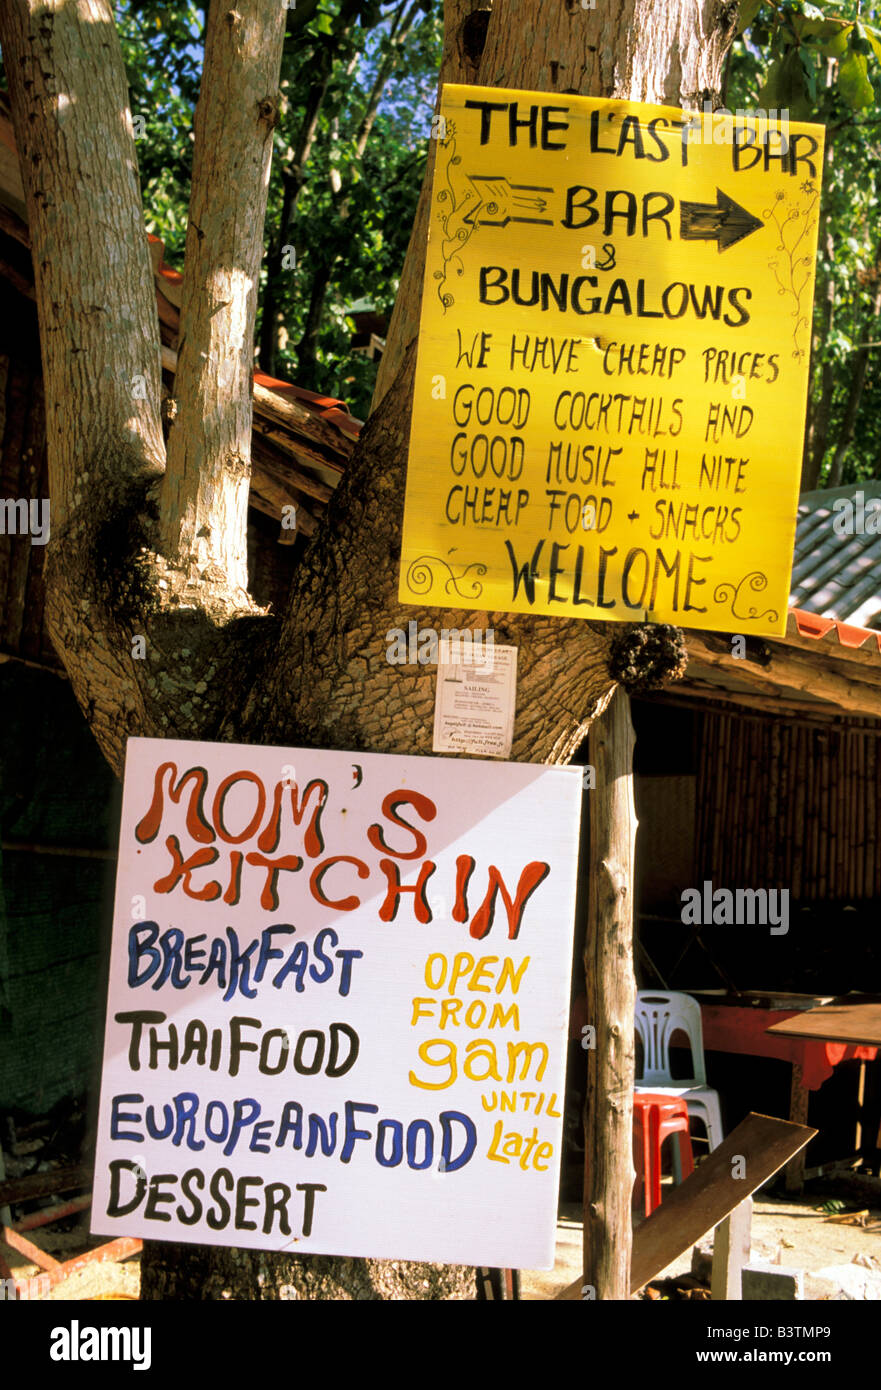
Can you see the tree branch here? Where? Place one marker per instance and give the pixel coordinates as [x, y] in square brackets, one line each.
[204, 499]
[98, 326]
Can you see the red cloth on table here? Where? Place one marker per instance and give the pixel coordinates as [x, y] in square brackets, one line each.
[728, 1028]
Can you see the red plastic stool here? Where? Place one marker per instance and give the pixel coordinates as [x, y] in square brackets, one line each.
[655, 1118]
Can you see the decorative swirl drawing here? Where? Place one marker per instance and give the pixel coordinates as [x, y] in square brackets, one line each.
[456, 206]
[757, 581]
[421, 577]
[794, 218]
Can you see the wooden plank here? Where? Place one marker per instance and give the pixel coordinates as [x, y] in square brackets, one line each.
[26, 1247]
[756, 1148]
[818, 673]
[49, 1184]
[844, 1023]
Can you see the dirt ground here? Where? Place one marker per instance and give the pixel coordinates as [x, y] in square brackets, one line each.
[793, 1233]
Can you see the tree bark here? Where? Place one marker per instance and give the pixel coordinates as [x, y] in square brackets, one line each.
[204, 500]
[611, 989]
[130, 558]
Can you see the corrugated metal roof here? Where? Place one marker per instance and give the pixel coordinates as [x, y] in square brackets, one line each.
[837, 575]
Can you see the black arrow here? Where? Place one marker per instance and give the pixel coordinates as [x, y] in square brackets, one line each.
[724, 222]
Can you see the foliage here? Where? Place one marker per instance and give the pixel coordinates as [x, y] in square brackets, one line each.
[823, 64]
[354, 212]
[162, 47]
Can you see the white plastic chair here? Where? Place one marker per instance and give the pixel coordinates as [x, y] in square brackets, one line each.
[658, 1017]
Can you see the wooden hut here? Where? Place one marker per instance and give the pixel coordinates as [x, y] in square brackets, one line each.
[762, 770]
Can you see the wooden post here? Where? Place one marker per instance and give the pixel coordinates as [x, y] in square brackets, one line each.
[798, 1113]
[608, 966]
[731, 1250]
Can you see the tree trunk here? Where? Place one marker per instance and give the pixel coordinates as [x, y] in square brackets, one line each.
[130, 557]
[204, 502]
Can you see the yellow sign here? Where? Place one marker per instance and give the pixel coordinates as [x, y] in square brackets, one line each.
[613, 361]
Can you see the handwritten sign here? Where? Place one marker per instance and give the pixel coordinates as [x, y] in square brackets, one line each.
[338, 1003]
[613, 362]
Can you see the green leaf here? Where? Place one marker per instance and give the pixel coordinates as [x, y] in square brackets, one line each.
[853, 81]
[785, 87]
[837, 46]
[818, 31]
[748, 11]
[859, 41]
[874, 39]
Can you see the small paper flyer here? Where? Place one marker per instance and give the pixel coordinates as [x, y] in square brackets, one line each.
[474, 704]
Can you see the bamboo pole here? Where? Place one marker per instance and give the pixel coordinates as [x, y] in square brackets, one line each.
[836, 845]
[863, 890]
[813, 782]
[846, 773]
[799, 827]
[773, 858]
[733, 841]
[608, 966]
[872, 859]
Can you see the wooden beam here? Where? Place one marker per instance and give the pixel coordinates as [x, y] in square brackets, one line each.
[34, 1185]
[752, 1153]
[867, 654]
[13, 226]
[273, 461]
[306, 523]
[720, 700]
[793, 670]
[611, 989]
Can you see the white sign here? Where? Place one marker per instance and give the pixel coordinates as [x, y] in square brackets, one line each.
[338, 1003]
[474, 702]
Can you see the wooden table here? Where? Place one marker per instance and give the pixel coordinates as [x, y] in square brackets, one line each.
[851, 1019]
[741, 1026]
